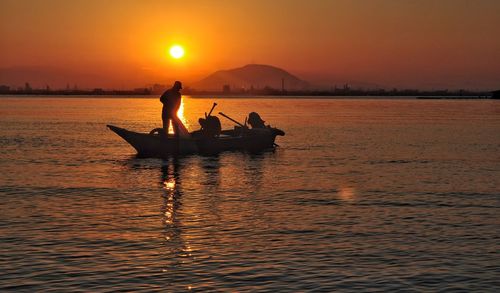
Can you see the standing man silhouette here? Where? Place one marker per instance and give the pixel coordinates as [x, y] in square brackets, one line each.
[171, 100]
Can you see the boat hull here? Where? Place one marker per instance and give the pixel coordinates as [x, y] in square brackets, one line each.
[251, 143]
[155, 145]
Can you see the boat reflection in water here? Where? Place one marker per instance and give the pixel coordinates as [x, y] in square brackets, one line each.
[171, 193]
[195, 195]
[182, 214]
[176, 247]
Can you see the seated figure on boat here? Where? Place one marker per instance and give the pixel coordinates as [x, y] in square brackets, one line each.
[171, 100]
[255, 121]
[258, 124]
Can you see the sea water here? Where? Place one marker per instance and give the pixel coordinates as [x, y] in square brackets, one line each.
[361, 194]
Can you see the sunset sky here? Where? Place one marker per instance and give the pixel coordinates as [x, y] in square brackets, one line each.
[390, 43]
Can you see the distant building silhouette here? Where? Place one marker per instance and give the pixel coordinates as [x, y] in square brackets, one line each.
[27, 87]
[158, 88]
[4, 89]
[495, 94]
[226, 88]
[141, 91]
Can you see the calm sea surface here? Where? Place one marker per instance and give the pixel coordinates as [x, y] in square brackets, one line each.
[360, 195]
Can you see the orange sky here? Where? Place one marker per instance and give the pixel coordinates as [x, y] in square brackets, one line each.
[426, 44]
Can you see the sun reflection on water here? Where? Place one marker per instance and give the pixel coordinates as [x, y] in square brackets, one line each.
[169, 184]
[180, 114]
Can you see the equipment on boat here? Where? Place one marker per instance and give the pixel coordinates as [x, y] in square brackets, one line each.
[210, 126]
[225, 116]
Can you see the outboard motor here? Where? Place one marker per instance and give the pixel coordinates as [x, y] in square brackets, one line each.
[210, 126]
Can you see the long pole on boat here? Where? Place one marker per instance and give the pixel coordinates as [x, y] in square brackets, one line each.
[209, 113]
[224, 115]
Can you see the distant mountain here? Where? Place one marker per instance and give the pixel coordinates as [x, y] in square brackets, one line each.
[257, 76]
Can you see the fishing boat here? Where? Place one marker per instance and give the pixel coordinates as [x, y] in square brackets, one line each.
[161, 145]
[210, 139]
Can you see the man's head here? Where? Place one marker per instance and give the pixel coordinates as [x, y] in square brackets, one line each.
[177, 85]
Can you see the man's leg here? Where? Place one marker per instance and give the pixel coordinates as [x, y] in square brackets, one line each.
[175, 126]
[165, 118]
[176, 130]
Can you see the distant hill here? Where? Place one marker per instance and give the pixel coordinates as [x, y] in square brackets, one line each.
[257, 76]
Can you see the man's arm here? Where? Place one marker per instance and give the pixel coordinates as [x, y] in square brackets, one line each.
[164, 97]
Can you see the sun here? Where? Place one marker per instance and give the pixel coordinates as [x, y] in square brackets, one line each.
[176, 52]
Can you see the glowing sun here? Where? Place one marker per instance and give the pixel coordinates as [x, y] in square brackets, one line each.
[176, 52]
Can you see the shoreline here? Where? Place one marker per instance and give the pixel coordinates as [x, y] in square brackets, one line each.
[206, 96]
